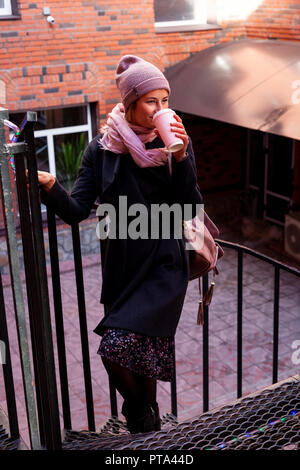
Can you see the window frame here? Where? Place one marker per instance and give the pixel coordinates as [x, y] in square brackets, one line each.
[14, 15]
[202, 21]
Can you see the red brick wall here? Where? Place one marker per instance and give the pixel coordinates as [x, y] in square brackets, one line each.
[73, 61]
[275, 19]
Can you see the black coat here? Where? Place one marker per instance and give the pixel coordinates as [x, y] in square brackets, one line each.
[144, 280]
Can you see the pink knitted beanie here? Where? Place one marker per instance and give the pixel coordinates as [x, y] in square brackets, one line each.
[135, 77]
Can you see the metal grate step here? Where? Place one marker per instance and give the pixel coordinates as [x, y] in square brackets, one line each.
[267, 420]
[6, 443]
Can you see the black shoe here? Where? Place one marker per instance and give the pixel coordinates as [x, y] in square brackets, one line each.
[157, 417]
[132, 413]
[141, 419]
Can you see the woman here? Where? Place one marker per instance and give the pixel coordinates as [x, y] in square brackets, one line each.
[144, 279]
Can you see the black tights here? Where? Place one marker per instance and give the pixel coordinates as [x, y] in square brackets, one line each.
[133, 387]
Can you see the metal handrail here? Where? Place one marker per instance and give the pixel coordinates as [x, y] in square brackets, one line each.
[8, 214]
[257, 254]
[44, 395]
[278, 265]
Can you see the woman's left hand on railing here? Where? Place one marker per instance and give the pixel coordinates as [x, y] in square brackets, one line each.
[45, 179]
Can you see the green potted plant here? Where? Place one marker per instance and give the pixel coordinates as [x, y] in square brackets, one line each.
[68, 160]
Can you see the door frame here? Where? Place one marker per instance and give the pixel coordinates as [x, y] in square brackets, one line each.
[263, 192]
[51, 133]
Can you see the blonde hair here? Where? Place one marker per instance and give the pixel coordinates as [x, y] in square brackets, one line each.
[129, 115]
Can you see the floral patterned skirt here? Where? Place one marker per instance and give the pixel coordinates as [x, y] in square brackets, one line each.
[145, 355]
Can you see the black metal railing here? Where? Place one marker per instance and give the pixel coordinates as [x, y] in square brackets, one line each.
[46, 432]
[278, 267]
[44, 424]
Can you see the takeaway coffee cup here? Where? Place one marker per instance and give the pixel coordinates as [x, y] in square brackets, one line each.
[162, 120]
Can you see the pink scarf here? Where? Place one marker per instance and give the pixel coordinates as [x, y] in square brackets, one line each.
[122, 137]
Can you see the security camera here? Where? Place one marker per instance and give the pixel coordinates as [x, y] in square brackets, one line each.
[50, 19]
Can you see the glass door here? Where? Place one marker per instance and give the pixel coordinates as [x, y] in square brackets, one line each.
[270, 175]
[278, 177]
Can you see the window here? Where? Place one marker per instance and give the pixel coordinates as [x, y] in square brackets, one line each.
[61, 135]
[5, 7]
[9, 9]
[184, 15]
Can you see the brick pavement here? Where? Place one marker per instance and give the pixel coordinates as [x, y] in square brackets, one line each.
[257, 340]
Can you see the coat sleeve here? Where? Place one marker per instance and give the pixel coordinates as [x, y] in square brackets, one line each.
[76, 206]
[185, 188]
